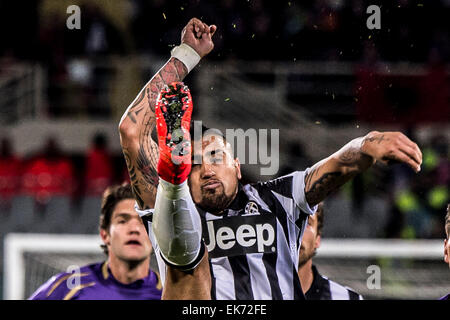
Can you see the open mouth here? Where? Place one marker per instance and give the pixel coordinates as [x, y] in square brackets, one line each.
[133, 243]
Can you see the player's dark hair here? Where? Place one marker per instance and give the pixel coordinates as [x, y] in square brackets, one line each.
[111, 197]
[447, 222]
[205, 130]
[319, 214]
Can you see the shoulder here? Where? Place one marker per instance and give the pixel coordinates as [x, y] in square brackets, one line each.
[285, 177]
[289, 189]
[331, 290]
[286, 185]
[60, 285]
[340, 292]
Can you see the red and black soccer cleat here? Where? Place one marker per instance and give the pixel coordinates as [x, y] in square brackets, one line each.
[173, 119]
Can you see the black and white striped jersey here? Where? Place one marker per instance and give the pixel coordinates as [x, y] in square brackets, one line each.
[323, 288]
[253, 246]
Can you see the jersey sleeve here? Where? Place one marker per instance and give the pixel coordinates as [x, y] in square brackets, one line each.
[298, 192]
[290, 191]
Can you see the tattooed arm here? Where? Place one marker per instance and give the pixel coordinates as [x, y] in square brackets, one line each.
[357, 156]
[138, 122]
[136, 127]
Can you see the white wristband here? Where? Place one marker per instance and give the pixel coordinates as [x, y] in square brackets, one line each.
[187, 55]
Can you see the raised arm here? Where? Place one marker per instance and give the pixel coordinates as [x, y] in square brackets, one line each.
[357, 156]
[138, 121]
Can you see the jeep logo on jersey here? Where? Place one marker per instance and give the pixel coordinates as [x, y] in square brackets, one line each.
[251, 208]
[241, 235]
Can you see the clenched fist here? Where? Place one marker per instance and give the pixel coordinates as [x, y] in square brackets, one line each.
[198, 35]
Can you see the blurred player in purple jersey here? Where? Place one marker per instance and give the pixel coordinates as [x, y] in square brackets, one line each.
[447, 244]
[126, 274]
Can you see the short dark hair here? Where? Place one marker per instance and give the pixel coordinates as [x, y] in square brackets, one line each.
[319, 214]
[205, 130]
[111, 197]
[447, 221]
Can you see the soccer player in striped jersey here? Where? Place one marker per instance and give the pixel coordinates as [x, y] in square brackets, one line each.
[218, 238]
[126, 274]
[447, 244]
[314, 285]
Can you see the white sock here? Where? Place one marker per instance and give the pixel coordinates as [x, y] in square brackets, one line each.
[177, 225]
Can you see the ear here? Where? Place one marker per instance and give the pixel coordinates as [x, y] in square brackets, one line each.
[105, 236]
[317, 242]
[237, 166]
[446, 253]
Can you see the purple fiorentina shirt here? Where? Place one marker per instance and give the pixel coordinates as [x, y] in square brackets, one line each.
[98, 283]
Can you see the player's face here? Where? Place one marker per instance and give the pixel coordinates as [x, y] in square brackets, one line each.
[213, 182]
[447, 251]
[127, 238]
[310, 241]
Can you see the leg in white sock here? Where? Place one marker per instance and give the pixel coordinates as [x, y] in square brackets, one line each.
[177, 225]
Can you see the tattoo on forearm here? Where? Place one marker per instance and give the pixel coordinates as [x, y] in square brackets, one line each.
[147, 169]
[350, 156]
[323, 186]
[308, 178]
[134, 180]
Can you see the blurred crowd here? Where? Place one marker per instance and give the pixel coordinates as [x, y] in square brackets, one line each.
[248, 29]
[80, 61]
[51, 172]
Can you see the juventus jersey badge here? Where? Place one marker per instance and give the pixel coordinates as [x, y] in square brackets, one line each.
[251, 208]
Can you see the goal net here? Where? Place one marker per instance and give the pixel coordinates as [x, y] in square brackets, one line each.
[377, 269]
